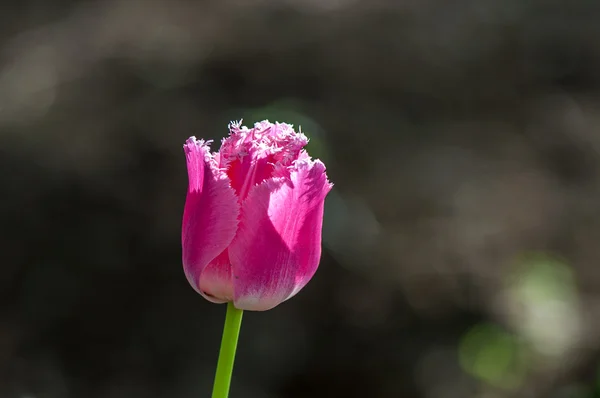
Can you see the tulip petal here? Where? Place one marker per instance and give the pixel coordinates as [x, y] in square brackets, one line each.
[215, 280]
[209, 217]
[250, 155]
[277, 248]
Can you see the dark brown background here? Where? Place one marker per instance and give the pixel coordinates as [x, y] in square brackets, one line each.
[461, 239]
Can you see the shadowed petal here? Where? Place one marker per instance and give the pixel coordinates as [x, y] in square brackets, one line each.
[215, 280]
[210, 214]
[278, 245]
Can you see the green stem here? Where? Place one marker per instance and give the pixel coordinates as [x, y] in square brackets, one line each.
[231, 332]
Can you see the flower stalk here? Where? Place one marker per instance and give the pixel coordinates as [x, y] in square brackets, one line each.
[231, 333]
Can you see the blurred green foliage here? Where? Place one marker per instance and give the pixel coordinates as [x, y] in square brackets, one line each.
[494, 356]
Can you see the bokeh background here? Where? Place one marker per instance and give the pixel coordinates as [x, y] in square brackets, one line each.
[461, 240]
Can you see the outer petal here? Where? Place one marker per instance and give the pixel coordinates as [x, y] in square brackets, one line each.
[278, 245]
[209, 219]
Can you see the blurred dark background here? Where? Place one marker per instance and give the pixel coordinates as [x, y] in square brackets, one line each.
[460, 241]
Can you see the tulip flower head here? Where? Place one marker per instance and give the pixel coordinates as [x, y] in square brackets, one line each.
[253, 216]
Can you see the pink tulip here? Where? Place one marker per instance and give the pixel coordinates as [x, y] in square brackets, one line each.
[253, 216]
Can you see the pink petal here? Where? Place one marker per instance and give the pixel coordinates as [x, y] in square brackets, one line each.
[215, 280]
[209, 217]
[245, 173]
[250, 155]
[278, 245]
